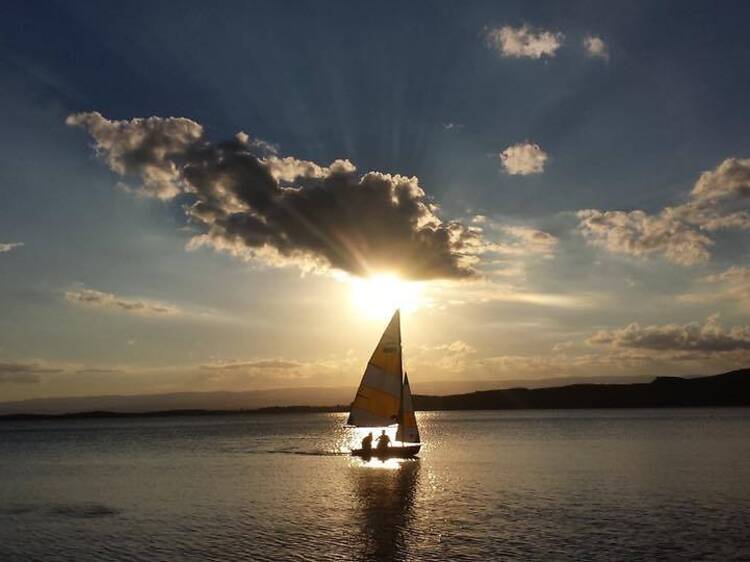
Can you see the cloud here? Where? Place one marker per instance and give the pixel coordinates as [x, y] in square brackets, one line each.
[92, 297]
[283, 211]
[523, 159]
[97, 371]
[275, 364]
[451, 126]
[719, 200]
[503, 289]
[639, 234]
[514, 240]
[733, 284]
[276, 371]
[595, 47]
[528, 240]
[558, 364]
[150, 149]
[20, 372]
[523, 42]
[451, 357]
[8, 246]
[707, 337]
[559, 347]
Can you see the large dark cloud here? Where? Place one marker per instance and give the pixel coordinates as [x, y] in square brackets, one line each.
[257, 205]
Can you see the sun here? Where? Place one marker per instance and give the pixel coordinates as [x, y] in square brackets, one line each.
[378, 296]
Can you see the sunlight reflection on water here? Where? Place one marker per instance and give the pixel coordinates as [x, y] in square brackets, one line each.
[593, 485]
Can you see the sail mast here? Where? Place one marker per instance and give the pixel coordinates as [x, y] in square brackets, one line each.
[399, 430]
[400, 350]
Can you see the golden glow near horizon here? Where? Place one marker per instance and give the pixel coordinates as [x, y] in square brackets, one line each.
[378, 296]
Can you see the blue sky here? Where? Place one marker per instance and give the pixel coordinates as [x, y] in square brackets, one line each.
[102, 295]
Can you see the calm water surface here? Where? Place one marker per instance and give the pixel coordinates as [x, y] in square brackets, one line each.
[545, 485]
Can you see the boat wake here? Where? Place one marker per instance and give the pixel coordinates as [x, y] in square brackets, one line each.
[310, 453]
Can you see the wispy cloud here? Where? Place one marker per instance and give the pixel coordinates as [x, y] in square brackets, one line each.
[100, 299]
[272, 364]
[523, 159]
[515, 240]
[24, 372]
[8, 246]
[527, 240]
[451, 126]
[732, 284]
[97, 371]
[524, 41]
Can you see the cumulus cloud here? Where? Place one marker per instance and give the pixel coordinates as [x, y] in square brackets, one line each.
[706, 337]
[524, 41]
[149, 149]
[523, 159]
[595, 47]
[640, 234]
[8, 246]
[92, 297]
[254, 204]
[720, 199]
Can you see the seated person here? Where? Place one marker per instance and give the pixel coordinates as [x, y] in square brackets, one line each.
[367, 443]
[383, 441]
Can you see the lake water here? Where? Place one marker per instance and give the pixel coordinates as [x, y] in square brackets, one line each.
[542, 485]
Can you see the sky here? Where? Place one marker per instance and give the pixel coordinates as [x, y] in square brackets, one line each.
[236, 196]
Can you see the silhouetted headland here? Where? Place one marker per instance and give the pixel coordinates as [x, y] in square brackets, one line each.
[727, 389]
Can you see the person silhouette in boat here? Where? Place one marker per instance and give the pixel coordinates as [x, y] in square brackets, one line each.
[383, 442]
[367, 443]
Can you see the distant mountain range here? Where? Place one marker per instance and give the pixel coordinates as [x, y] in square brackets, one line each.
[252, 399]
[728, 389]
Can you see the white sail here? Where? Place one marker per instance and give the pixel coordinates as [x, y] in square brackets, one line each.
[408, 432]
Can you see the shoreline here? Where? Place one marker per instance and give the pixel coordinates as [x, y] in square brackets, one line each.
[730, 389]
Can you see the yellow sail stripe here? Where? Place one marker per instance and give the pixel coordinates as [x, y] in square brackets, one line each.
[377, 404]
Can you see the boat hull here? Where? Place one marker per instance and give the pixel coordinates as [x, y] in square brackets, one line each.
[405, 452]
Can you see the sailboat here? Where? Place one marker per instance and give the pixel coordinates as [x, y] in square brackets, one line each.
[384, 397]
